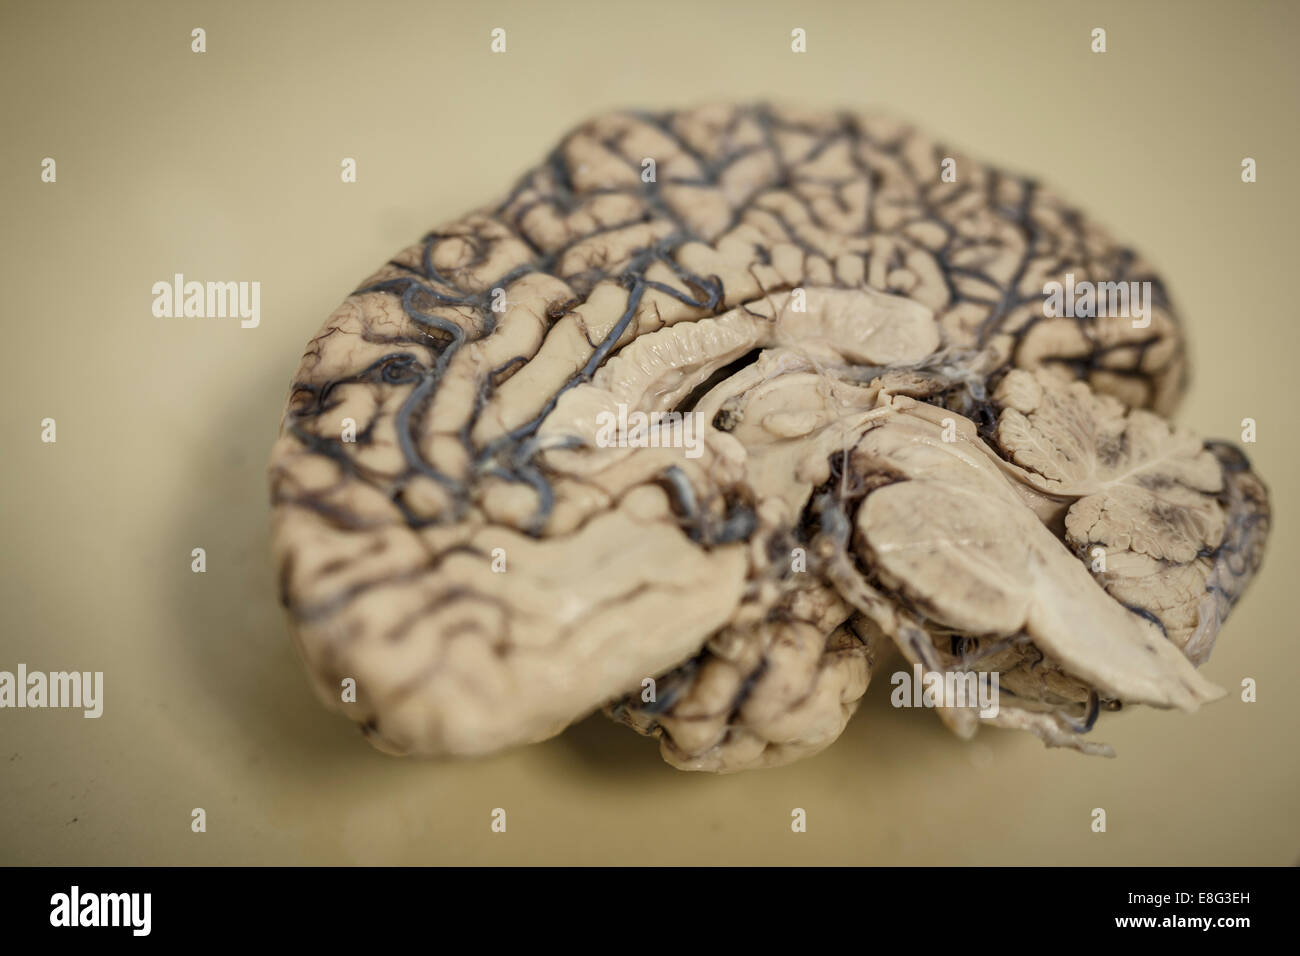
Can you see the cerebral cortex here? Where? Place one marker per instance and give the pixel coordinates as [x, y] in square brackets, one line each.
[719, 412]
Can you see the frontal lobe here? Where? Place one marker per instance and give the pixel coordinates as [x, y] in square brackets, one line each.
[454, 532]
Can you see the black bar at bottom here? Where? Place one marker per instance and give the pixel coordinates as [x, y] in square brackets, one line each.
[619, 907]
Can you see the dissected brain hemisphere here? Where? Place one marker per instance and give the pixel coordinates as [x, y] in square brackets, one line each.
[718, 411]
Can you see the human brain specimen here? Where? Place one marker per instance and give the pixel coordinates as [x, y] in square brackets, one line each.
[713, 414]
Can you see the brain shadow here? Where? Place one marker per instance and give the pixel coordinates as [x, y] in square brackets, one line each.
[232, 641]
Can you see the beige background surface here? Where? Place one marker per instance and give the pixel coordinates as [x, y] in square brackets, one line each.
[226, 166]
